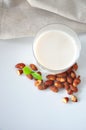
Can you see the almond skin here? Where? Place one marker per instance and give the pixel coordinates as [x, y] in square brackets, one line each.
[69, 91]
[74, 89]
[75, 66]
[73, 75]
[66, 85]
[51, 77]
[19, 72]
[65, 99]
[76, 81]
[54, 89]
[49, 82]
[61, 75]
[69, 70]
[33, 67]
[39, 72]
[58, 84]
[20, 65]
[29, 76]
[42, 87]
[74, 98]
[63, 79]
[38, 82]
[69, 79]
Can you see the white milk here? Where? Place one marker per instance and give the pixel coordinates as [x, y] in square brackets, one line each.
[55, 50]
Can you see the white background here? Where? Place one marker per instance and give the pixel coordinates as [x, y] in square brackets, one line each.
[23, 106]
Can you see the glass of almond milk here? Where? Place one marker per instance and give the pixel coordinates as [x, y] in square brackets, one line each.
[56, 48]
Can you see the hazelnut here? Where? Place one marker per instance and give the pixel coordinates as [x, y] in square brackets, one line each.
[33, 67]
[65, 99]
[19, 72]
[63, 79]
[29, 76]
[51, 77]
[69, 79]
[74, 98]
[58, 84]
[53, 88]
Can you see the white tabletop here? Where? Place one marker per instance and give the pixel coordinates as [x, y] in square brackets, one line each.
[23, 106]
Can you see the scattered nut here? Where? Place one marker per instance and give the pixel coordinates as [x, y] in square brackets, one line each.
[20, 65]
[38, 82]
[39, 72]
[72, 74]
[74, 98]
[58, 84]
[49, 82]
[74, 89]
[69, 91]
[29, 76]
[53, 88]
[33, 67]
[51, 77]
[42, 87]
[63, 79]
[19, 72]
[69, 79]
[75, 66]
[66, 85]
[61, 75]
[76, 81]
[65, 99]
[69, 70]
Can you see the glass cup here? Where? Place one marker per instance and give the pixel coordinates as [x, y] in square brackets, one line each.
[60, 35]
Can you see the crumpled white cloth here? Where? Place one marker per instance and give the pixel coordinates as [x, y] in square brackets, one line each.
[24, 18]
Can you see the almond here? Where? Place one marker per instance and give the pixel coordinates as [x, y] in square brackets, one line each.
[39, 72]
[69, 91]
[76, 81]
[74, 89]
[19, 72]
[65, 99]
[61, 75]
[72, 74]
[58, 84]
[49, 82]
[75, 66]
[20, 65]
[29, 76]
[42, 87]
[69, 70]
[69, 79]
[38, 82]
[63, 79]
[54, 89]
[33, 67]
[51, 77]
[74, 98]
[66, 85]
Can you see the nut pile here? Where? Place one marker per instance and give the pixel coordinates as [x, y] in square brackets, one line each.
[67, 80]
